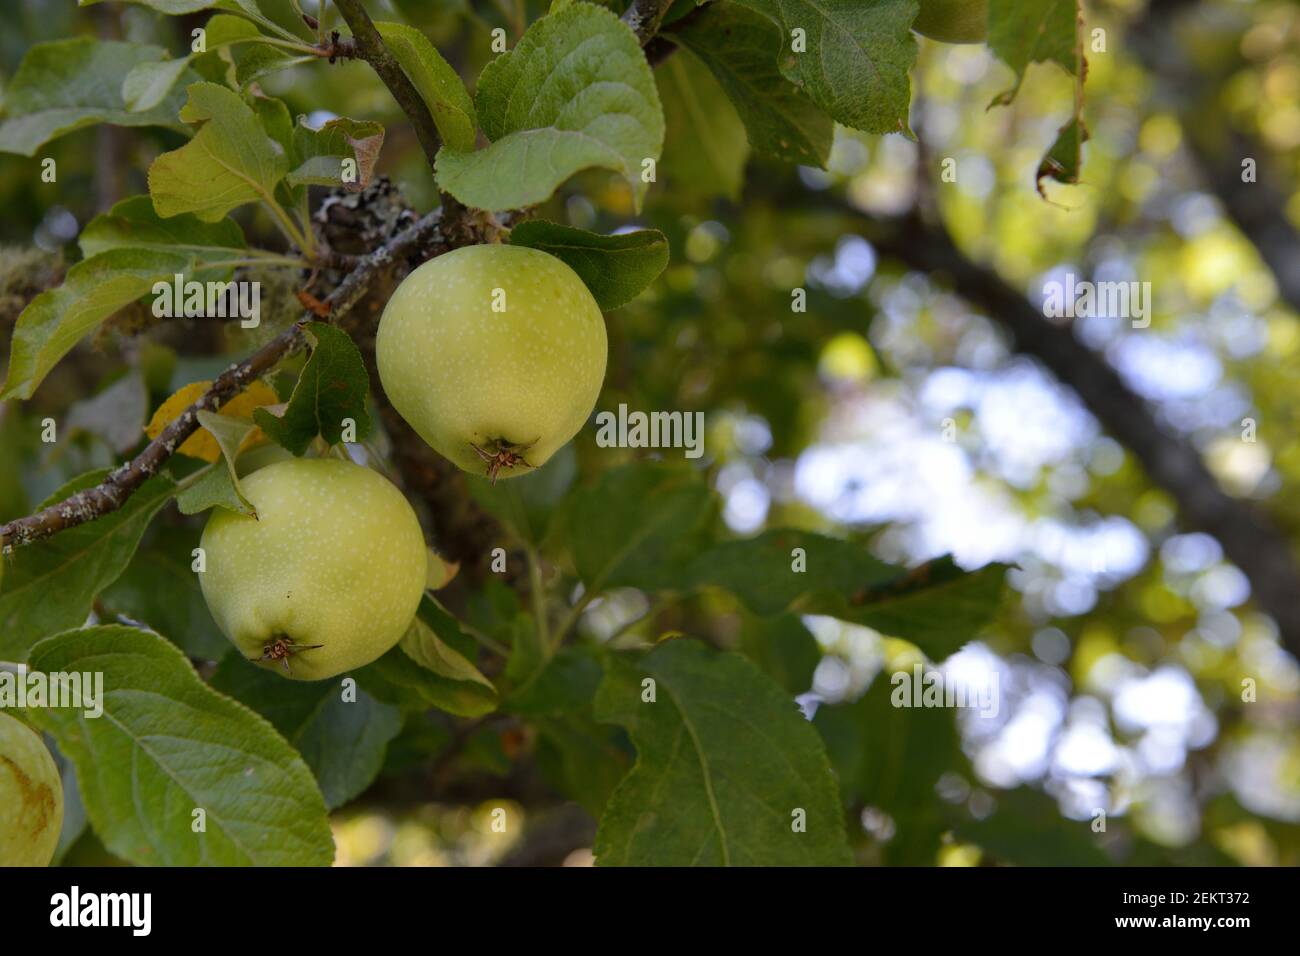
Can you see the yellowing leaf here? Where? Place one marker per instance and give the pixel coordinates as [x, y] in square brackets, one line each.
[201, 444]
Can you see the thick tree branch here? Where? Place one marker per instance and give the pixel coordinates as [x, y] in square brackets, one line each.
[1257, 207]
[114, 490]
[1248, 540]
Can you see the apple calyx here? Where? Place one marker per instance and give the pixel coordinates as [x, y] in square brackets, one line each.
[501, 454]
[281, 649]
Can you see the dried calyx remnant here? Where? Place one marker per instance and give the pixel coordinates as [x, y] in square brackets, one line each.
[501, 454]
[281, 648]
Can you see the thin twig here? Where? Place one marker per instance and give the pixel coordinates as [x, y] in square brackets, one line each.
[370, 47]
[113, 492]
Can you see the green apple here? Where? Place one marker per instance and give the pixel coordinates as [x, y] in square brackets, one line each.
[954, 21]
[494, 354]
[326, 578]
[31, 797]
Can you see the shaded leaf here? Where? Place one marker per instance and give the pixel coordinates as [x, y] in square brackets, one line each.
[890, 758]
[742, 49]
[1026, 828]
[707, 790]
[529, 503]
[936, 605]
[858, 56]
[232, 436]
[784, 567]
[705, 147]
[75, 564]
[160, 589]
[1022, 32]
[342, 741]
[1065, 159]
[214, 488]
[783, 649]
[332, 388]
[615, 268]
[653, 518]
[57, 319]
[456, 685]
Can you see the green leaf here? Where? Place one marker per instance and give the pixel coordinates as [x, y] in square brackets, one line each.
[582, 759]
[399, 680]
[783, 649]
[653, 518]
[172, 7]
[615, 268]
[342, 737]
[858, 56]
[707, 789]
[566, 684]
[262, 60]
[784, 568]
[705, 148]
[51, 584]
[160, 589]
[1022, 32]
[229, 162]
[133, 224]
[1065, 159]
[937, 605]
[332, 388]
[148, 84]
[574, 93]
[438, 84]
[1027, 829]
[742, 50]
[528, 504]
[65, 85]
[456, 685]
[214, 488]
[320, 153]
[891, 758]
[230, 434]
[167, 745]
